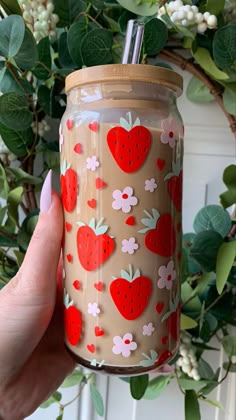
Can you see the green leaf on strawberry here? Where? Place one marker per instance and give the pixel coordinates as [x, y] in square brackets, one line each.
[131, 293]
[149, 360]
[175, 180]
[94, 246]
[160, 233]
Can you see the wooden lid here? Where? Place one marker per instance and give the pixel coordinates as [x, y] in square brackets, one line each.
[125, 72]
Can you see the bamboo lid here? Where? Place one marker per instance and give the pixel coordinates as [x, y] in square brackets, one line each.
[125, 72]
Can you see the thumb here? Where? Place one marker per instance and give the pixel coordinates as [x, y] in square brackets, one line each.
[27, 302]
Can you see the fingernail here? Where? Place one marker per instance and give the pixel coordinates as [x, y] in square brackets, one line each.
[46, 193]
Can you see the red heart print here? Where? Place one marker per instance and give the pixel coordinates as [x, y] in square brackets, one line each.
[98, 286]
[92, 203]
[68, 226]
[69, 258]
[159, 307]
[98, 332]
[78, 148]
[160, 163]
[100, 183]
[91, 348]
[164, 339]
[70, 124]
[93, 126]
[76, 284]
[130, 221]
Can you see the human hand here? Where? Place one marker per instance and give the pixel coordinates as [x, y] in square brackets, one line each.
[33, 360]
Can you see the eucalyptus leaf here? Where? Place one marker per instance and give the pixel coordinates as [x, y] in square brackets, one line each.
[212, 217]
[227, 199]
[203, 57]
[64, 58]
[205, 370]
[55, 398]
[224, 46]
[225, 259]
[74, 379]
[13, 200]
[229, 344]
[198, 92]
[14, 111]
[191, 404]
[215, 7]
[18, 142]
[68, 11]
[156, 386]
[12, 30]
[96, 399]
[214, 403]
[44, 61]
[155, 36]
[190, 384]
[193, 303]
[229, 178]
[142, 8]
[4, 187]
[205, 249]
[138, 386]
[187, 323]
[229, 101]
[20, 176]
[96, 47]
[27, 54]
[74, 39]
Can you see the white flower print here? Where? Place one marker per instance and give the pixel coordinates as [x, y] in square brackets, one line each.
[150, 185]
[92, 163]
[93, 309]
[124, 199]
[167, 275]
[124, 345]
[129, 245]
[170, 133]
[148, 329]
[61, 138]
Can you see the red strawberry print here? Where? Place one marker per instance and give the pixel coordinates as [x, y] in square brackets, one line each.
[70, 124]
[160, 235]
[76, 284]
[78, 148]
[91, 348]
[92, 203]
[172, 318]
[93, 126]
[160, 163]
[98, 331]
[98, 286]
[72, 321]
[159, 307]
[69, 188]
[129, 144]
[94, 246]
[164, 357]
[99, 183]
[68, 226]
[130, 221]
[174, 181]
[131, 293]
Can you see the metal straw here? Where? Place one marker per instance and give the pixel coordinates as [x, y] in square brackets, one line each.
[133, 42]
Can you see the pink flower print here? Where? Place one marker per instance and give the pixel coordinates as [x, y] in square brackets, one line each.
[129, 245]
[61, 138]
[150, 185]
[148, 329]
[170, 132]
[124, 345]
[167, 275]
[124, 199]
[92, 163]
[93, 309]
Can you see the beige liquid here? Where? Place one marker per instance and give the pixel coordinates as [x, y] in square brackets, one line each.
[110, 320]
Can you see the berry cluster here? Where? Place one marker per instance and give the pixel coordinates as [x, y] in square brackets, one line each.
[188, 16]
[39, 17]
[43, 127]
[187, 360]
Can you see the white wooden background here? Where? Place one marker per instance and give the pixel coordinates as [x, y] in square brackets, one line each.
[209, 148]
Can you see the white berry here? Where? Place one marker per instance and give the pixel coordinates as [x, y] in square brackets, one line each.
[212, 21]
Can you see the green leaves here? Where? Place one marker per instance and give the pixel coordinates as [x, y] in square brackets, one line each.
[156, 386]
[74, 379]
[44, 62]
[27, 54]
[225, 259]
[14, 111]
[96, 399]
[187, 323]
[197, 92]
[155, 36]
[205, 249]
[12, 30]
[229, 344]
[55, 398]
[18, 142]
[138, 386]
[215, 7]
[96, 47]
[192, 410]
[224, 46]
[141, 7]
[229, 177]
[212, 217]
[203, 57]
[74, 38]
[229, 100]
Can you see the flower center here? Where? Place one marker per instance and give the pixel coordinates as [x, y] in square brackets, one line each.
[169, 277]
[127, 341]
[171, 134]
[125, 196]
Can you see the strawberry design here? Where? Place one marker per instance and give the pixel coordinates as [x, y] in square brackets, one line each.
[129, 144]
[94, 246]
[175, 180]
[172, 318]
[131, 293]
[160, 235]
[72, 321]
[69, 188]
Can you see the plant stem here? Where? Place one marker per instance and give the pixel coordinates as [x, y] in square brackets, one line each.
[177, 379]
[213, 303]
